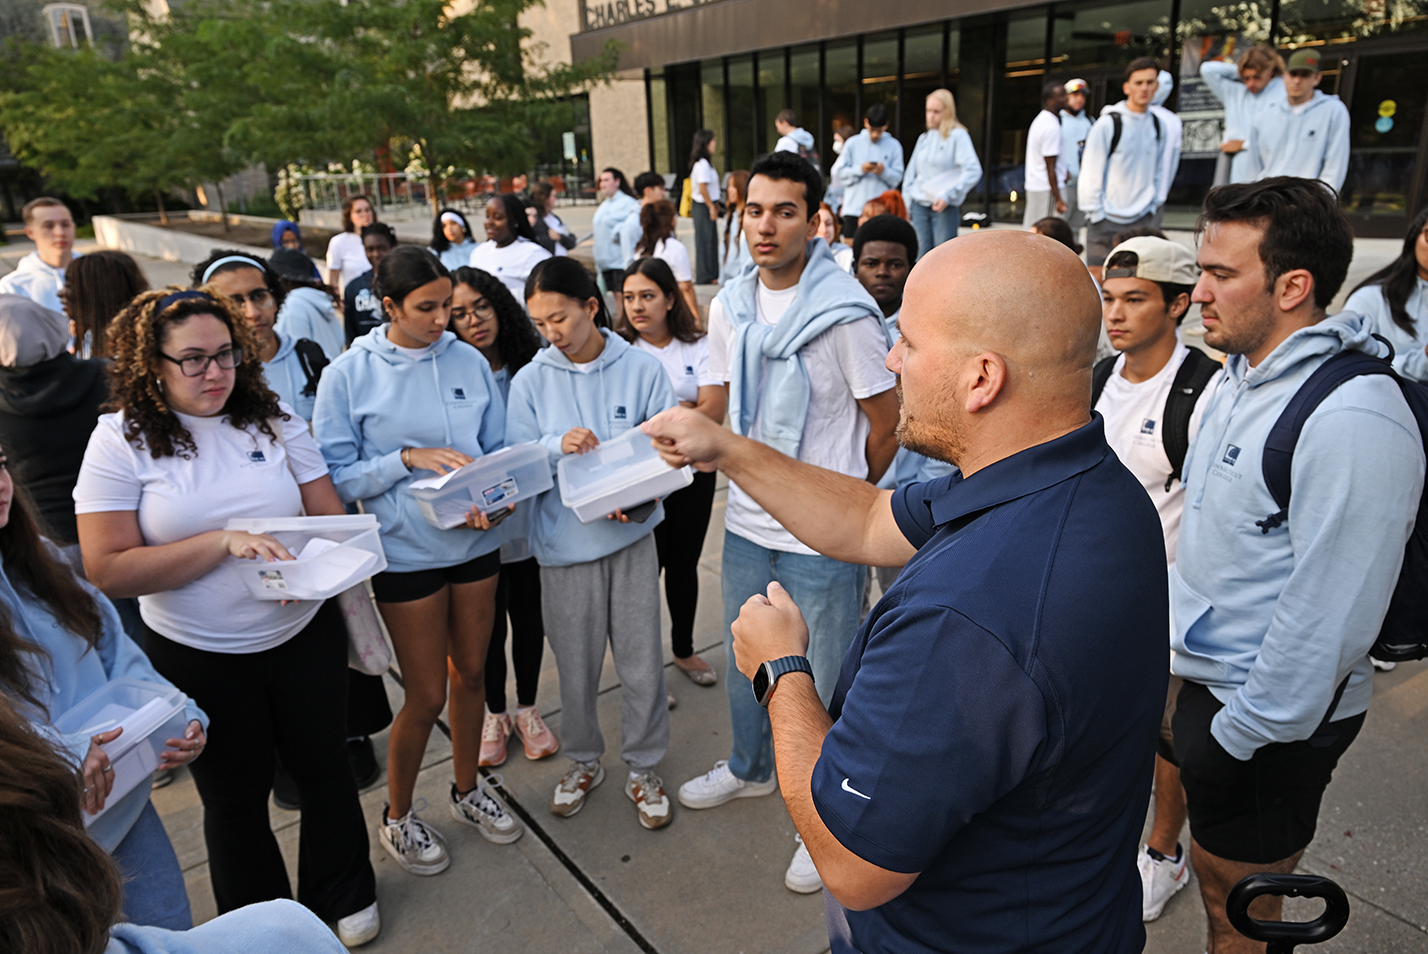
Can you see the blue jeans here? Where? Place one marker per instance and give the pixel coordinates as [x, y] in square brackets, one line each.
[154, 893]
[934, 228]
[830, 594]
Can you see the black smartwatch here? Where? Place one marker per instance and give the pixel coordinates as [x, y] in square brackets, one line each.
[767, 676]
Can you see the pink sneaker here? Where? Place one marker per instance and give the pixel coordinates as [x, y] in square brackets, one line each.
[494, 733]
[535, 735]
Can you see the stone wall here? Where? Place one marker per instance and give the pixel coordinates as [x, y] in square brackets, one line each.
[619, 124]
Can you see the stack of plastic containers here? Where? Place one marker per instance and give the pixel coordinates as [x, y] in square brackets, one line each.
[333, 554]
[618, 475]
[491, 482]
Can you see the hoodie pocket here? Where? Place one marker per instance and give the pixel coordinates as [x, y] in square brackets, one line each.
[1186, 605]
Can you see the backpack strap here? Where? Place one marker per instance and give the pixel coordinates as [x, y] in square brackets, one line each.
[1279, 446]
[313, 360]
[1116, 124]
[1155, 119]
[1100, 374]
[1193, 375]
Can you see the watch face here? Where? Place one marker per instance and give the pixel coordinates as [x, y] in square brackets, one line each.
[761, 682]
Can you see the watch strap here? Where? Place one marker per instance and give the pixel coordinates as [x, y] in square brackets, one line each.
[775, 668]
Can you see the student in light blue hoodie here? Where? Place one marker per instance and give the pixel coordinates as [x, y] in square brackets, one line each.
[1243, 87]
[1395, 300]
[943, 169]
[618, 204]
[62, 641]
[1272, 618]
[599, 581]
[405, 402]
[451, 239]
[1304, 133]
[870, 164]
[310, 308]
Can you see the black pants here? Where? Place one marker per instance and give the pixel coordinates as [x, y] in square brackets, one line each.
[679, 540]
[706, 246]
[518, 593]
[292, 698]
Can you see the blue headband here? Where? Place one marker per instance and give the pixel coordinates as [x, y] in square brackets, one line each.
[177, 297]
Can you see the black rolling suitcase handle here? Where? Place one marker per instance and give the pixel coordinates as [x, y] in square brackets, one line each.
[1283, 936]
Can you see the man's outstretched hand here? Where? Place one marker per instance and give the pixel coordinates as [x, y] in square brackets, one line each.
[684, 436]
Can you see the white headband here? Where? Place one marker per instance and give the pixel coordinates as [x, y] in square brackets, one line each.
[228, 260]
[452, 217]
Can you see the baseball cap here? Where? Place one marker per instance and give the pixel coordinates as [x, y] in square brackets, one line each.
[1158, 260]
[1303, 60]
[1076, 86]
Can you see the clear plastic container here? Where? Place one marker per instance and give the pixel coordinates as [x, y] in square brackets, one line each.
[151, 714]
[619, 474]
[318, 575]
[491, 482]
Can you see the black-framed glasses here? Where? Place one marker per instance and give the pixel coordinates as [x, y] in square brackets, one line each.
[196, 365]
[481, 312]
[258, 298]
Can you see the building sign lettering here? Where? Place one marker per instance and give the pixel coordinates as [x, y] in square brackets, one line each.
[598, 14]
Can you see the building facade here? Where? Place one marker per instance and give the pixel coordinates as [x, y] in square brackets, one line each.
[731, 65]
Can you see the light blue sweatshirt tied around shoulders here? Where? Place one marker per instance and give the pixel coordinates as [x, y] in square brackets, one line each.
[1409, 356]
[550, 397]
[1273, 622]
[827, 296]
[860, 187]
[375, 401]
[1312, 144]
[310, 313]
[1126, 187]
[934, 156]
[610, 252]
[69, 673]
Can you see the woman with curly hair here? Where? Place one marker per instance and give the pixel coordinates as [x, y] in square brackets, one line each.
[196, 439]
[485, 316]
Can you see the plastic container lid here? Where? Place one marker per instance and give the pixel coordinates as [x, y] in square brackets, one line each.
[619, 473]
[334, 553]
[491, 482]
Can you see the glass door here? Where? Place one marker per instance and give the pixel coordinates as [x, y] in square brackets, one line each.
[1387, 103]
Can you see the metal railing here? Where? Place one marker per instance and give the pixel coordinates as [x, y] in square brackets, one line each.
[394, 192]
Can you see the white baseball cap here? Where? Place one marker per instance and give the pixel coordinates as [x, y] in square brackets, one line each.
[1157, 260]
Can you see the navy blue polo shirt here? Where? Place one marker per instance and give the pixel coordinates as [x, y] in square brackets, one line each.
[995, 719]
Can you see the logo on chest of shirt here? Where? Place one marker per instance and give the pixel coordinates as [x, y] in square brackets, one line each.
[1147, 426]
[689, 370]
[1232, 454]
[458, 394]
[257, 457]
[620, 414]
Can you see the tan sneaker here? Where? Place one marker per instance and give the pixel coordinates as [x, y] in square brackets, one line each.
[536, 737]
[570, 794]
[494, 733]
[646, 790]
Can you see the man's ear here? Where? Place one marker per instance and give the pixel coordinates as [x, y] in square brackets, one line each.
[1293, 288]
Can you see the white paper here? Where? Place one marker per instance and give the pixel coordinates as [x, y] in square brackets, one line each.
[323, 568]
[939, 185]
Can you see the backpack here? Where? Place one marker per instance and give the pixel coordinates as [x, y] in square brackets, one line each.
[1118, 123]
[312, 359]
[1404, 634]
[1190, 381]
[811, 155]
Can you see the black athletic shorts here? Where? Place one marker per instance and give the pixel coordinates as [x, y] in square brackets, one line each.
[850, 225]
[391, 587]
[1263, 810]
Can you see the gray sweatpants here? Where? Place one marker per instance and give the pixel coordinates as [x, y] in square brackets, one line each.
[614, 599]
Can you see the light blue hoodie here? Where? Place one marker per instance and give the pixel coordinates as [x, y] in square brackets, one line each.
[1313, 144]
[1128, 186]
[72, 672]
[1273, 622]
[280, 925]
[1241, 106]
[457, 254]
[549, 397]
[630, 234]
[610, 252]
[374, 401]
[859, 187]
[800, 138]
[309, 313]
[1075, 127]
[1409, 356]
[285, 376]
[934, 155]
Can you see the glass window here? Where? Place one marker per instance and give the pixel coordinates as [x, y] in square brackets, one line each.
[711, 88]
[1209, 30]
[659, 120]
[741, 148]
[880, 76]
[970, 63]
[922, 73]
[1085, 38]
[803, 97]
[1386, 117]
[841, 64]
[1308, 21]
[772, 93]
[1017, 100]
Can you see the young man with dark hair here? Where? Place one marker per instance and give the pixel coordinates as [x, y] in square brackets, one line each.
[1045, 168]
[1076, 125]
[802, 348]
[792, 137]
[1273, 618]
[884, 248]
[1152, 395]
[1305, 132]
[870, 164]
[1123, 164]
[39, 276]
[649, 187]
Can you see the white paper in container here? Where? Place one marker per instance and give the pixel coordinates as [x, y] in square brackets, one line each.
[491, 482]
[619, 474]
[334, 554]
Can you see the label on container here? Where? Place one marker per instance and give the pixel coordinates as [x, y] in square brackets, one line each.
[494, 494]
[273, 579]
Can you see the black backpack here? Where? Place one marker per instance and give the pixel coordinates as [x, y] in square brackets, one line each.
[1190, 380]
[312, 359]
[1119, 123]
[1404, 634]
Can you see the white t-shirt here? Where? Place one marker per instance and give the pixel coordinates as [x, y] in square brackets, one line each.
[346, 256]
[705, 172]
[686, 363]
[1044, 139]
[1134, 429]
[236, 473]
[511, 265]
[844, 366]
[676, 256]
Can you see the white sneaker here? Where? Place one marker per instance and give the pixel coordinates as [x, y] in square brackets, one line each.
[801, 875]
[719, 785]
[357, 929]
[1160, 878]
[1382, 665]
[414, 844]
[479, 809]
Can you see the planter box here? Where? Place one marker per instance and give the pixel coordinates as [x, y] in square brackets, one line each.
[171, 245]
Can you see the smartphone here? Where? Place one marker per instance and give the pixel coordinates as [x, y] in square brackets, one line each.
[642, 512]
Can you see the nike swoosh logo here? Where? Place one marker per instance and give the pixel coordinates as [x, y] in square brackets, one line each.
[849, 788]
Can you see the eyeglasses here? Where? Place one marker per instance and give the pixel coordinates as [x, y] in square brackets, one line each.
[480, 313]
[196, 365]
[258, 298]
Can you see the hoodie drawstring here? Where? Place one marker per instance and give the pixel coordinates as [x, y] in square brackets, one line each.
[441, 398]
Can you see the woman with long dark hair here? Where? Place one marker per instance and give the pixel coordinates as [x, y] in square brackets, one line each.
[552, 233]
[97, 287]
[345, 257]
[735, 253]
[657, 224]
[485, 316]
[510, 250]
[1395, 298]
[408, 401]
[451, 239]
[658, 321]
[705, 179]
[198, 439]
